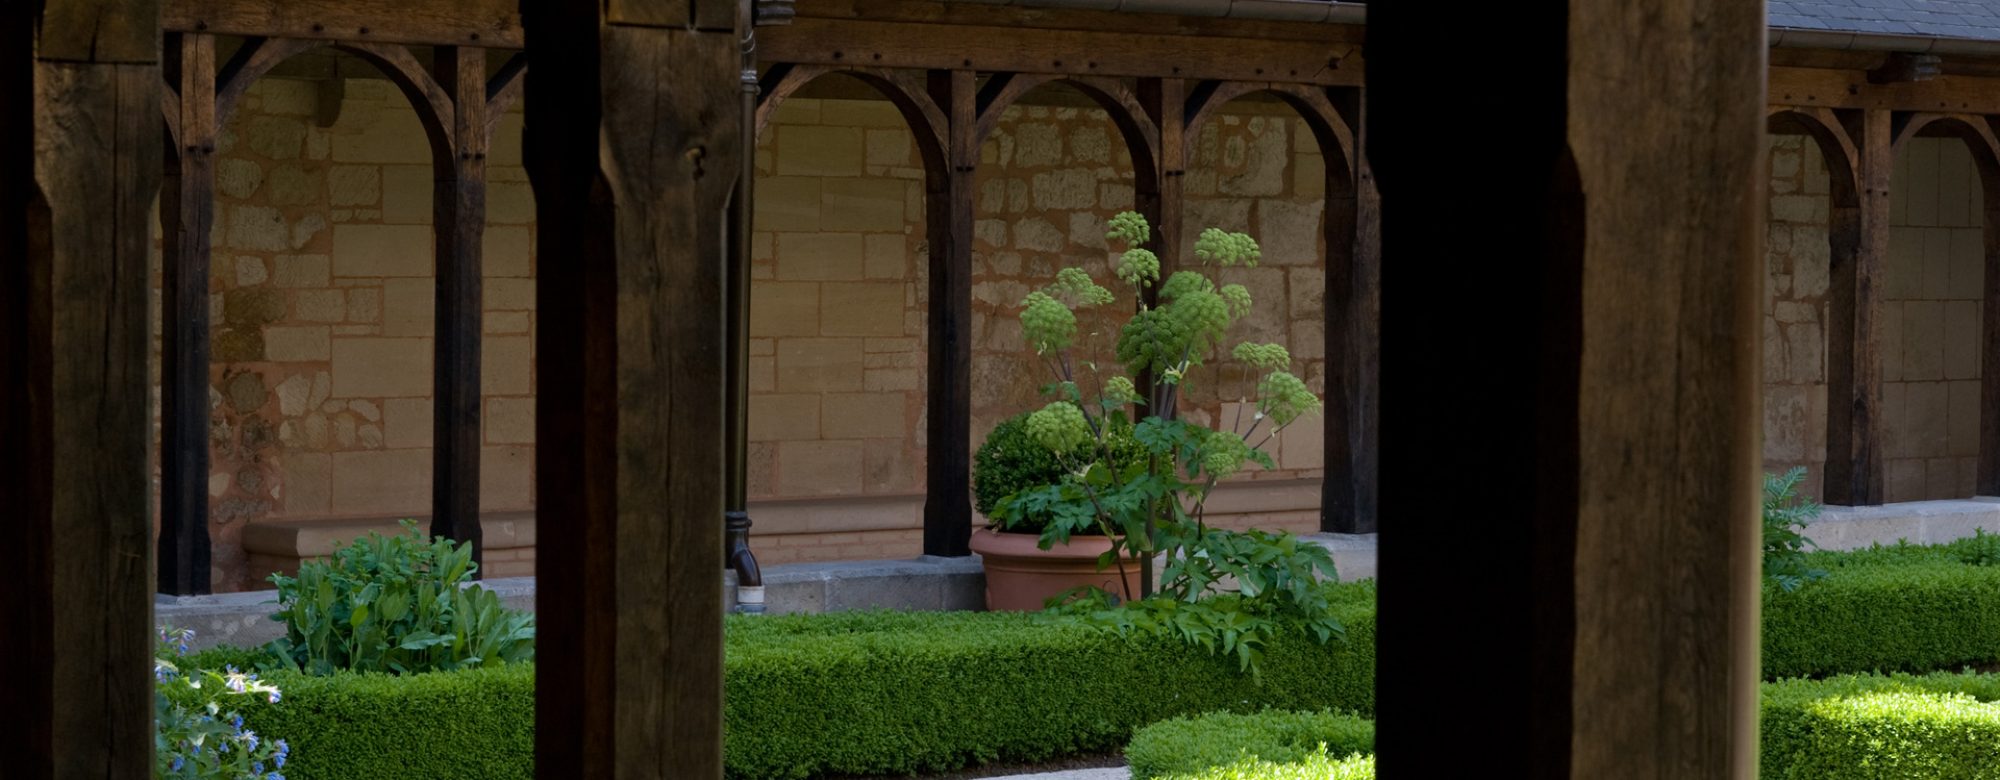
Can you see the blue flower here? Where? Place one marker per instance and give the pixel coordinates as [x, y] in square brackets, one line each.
[249, 737]
[284, 752]
[178, 761]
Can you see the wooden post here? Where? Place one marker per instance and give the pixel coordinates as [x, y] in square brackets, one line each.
[632, 148]
[187, 219]
[1162, 201]
[1570, 337]
[80, 157]
[1348, 499]
[1858, 239]
[459, 215]
[948, 215]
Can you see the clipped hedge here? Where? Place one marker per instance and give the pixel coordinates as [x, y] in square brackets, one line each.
[1899, 608]
[1874, 726]
[475, 724]
[1271, 743]
[898, 693]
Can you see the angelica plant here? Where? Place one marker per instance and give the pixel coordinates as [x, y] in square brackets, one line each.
[1153, 504]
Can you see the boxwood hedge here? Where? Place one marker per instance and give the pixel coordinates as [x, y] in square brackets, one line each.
[1897, 608]
[1882, 727]
[885, 693]
[846, 693]
[1273, 743]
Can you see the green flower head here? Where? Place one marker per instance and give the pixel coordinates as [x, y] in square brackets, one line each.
[1138, 266]
[1048, 325]
[1130, 228]
[1238, 297]
[1227, 248]
[1120, 390]
[1184, 282]
[1264, 357]
[1284, 398]
[1076, 286]
[1060, 426]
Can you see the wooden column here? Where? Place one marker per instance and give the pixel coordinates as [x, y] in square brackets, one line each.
[632, 148]
[80, 157]
[1161, 200]
[1570, 337]
[948, 212]
[1989, 342]
[458, 206]
[1348, 498]
[187, 219]
[1858, 239]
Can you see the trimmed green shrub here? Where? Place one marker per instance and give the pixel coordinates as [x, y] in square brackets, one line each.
[1010, 460]
[1193, 747]
[1899, 608]
[898, 693]
[1873, 726]
[1319, 767]
[470, 724]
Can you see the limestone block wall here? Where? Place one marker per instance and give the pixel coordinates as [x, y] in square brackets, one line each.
[321, 298]
[1930, 320]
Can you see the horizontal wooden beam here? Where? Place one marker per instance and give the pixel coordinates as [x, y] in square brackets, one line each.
[1017, 49]
[959, 12]
[489, 23]
[1829, 88]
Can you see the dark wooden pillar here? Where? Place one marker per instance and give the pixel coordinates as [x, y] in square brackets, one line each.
[80, 157]
[1858, 240]
[948, 212]
[632, 147]
[458, 206]
[1162, 200]
[187, 219]
[1989, 342]
[1348, 498]
[1570, 337]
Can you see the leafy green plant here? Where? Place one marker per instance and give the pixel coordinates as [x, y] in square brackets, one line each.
[396, 604]
[1785, 514]
[1271, 741]
[194, 736]
[1010, 460]
[1982, 549]
[1152, 502]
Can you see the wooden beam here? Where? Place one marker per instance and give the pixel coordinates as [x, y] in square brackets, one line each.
[80, 157]
[1349, 502]
[958, 12]
[458, 205]
[187, 220]
[632, 174]
[1858, 246]
[1794, 86]
[1092, 52]
[490, 23]
[948, 210]
[1602, 378]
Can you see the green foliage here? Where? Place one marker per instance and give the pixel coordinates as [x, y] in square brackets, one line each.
[1153, 506]
[1010, 461]
[397, 604]
[1785, 513]
[1897, 608]
[197, 733]
[470, 724]
[1983, 549]
[1320, 767]
[1881, 727]
[1190, 748]
[900, 693]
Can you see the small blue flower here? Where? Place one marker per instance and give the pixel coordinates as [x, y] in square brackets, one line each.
[178, 761]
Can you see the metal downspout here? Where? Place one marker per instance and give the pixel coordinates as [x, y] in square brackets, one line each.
[736, 553]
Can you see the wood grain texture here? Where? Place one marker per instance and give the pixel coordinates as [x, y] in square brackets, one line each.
[492, 23]
[1572, 329]
[187, 222]
[458, 211]
[1666, 123]
[81, 149]
[948, 212]
[1843, 88]
[1340, 37]
[632, 173]
[1107, 51]
[100, 31]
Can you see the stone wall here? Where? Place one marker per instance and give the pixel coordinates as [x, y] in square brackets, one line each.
[323, 283]
[1930, 318]
[321, 295]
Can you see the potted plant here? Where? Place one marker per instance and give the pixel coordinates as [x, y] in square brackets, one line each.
[1148, 499]
[1022, 574]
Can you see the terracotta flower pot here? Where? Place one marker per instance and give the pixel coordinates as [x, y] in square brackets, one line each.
[1020, 576]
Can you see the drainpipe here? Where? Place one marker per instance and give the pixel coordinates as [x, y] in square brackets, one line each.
[736, 553]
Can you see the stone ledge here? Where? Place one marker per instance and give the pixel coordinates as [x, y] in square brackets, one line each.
[1920, 522]
[316, 537]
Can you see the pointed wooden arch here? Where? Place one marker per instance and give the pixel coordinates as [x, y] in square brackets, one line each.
[1127, 111]
[1330, 126]
[258, 56]
[908, 91]
[1979, 135]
